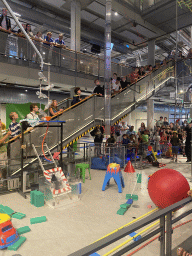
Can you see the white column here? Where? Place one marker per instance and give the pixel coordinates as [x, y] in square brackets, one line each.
[191, 113]
[151, 52]
[108, 14]
[150, 114]
[75, 25]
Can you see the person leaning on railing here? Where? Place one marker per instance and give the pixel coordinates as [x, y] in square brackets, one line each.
[98, 89]
[5, 22]
[53, 110]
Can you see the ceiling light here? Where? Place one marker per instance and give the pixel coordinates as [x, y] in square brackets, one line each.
[43, 52]
[26, 90]
[181, 91]
[116, 13]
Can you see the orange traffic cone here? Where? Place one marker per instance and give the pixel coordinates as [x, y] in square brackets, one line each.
[129, 168]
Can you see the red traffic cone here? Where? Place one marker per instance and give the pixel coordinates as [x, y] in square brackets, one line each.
[129, 168]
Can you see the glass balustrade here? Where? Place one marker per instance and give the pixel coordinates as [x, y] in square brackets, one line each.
[14, 46]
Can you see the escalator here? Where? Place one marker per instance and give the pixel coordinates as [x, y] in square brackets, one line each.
[82, 117]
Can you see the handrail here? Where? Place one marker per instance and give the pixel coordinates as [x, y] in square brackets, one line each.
[58, 46]
[128, 230]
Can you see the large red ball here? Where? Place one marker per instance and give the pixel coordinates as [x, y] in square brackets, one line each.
[166, 187]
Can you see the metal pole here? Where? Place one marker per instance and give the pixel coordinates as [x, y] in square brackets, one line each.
[84, 151]
[176, 28]
[61, 158]
[49, 83]
[108, 9]
[191, 153]
[162, 236]
[22, 138]
[169, 234]
[24, 32]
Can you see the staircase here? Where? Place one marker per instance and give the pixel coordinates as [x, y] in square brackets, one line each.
[90, 112]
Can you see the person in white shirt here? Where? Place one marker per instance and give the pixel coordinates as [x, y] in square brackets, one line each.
[32, 115]
[117, 86]
[113, 81]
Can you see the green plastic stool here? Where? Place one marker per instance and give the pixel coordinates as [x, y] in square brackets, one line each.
[82, 168]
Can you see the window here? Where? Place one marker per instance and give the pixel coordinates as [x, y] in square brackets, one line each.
[6, 228]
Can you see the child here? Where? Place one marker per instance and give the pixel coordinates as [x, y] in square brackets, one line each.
[175, 145]
[156, 139]
[14, 127]
[125, 140]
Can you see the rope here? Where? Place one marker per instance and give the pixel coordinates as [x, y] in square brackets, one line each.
[43, 144]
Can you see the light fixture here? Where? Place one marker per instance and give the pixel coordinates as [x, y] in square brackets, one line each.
[181, 91]
[116, 13]
[43, 52]
[26, 90]
[63, 58]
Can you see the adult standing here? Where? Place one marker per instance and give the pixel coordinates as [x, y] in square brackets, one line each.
[59, 44]
[53, 110]
[159, 123]
[5, 23]
[48, 42]
[188, 142]
[3, 152]
[165, 123]
[98, 89]
[124, 82]
[98, 134]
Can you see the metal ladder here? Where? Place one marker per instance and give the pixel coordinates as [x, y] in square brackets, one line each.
[39, 159]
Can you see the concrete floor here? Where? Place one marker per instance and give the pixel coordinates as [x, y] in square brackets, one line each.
[72, 227]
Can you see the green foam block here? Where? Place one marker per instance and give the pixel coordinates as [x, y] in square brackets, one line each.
[8, 210]
[18, 215]
[16, 245]
[38, 220]
[139, 177]
[121, 211]
[125, 206]
[134, 197]
[128, 196]
[23, 230]
[2, 209]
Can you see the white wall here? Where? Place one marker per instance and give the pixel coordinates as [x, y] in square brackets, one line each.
[3, 113]
[136, 117]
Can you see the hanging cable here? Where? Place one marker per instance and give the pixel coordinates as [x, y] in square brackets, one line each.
[43, 143]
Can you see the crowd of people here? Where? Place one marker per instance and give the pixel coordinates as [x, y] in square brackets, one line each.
[167, 139]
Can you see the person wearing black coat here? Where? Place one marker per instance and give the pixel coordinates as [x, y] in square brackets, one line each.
[188, 142]
[98, 134]
[98, 89]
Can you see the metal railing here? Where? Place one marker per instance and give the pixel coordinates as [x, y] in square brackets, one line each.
[165, 230]
[16, 46]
